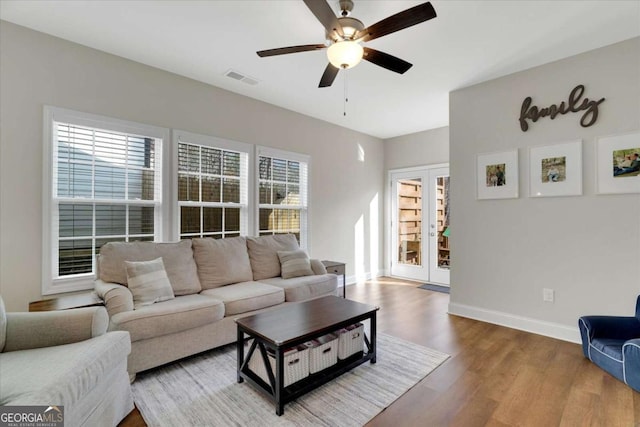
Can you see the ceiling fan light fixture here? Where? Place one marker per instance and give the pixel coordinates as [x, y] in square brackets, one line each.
[345, 54]
[350, 26]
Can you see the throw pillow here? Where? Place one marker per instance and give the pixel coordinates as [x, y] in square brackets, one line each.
[177, 258]
[294, 264]
[263, 253]
[148, 282]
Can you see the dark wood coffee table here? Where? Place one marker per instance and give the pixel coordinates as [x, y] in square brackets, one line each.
[293, 325]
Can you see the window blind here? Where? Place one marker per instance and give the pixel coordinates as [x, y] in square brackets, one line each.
[106, 187]
[212, 190]
[282, 195]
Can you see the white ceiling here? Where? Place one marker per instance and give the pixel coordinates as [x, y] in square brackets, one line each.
[469, 42]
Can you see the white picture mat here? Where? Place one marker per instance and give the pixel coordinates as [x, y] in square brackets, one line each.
[606, 183]
[508, 191]
[572, 185]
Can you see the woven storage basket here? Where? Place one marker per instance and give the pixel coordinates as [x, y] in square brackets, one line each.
[323, 352]
[296, 364]
[350, 341]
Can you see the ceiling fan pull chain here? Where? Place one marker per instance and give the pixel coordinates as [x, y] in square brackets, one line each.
[346, 93]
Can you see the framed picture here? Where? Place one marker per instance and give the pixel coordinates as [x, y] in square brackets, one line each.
[497, 175]
[556, 170]
[618, 160]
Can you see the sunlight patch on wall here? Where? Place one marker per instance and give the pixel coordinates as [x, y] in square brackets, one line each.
[374, 235]
[358, 246]
[360, 153]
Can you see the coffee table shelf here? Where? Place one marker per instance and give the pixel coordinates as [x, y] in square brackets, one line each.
[310, 383]
[293, 325]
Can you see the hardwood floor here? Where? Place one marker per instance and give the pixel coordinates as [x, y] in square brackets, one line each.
[496, 376]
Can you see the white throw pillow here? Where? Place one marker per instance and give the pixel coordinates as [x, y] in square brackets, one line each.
[148, 282]
[294, 264]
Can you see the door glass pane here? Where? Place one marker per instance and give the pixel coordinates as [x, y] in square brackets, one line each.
[409, 221]
[442, 220]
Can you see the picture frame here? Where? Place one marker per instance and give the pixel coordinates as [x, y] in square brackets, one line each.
[556, 170]
[616, 171]
[497, 175]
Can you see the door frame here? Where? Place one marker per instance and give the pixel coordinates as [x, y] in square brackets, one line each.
[425, 169]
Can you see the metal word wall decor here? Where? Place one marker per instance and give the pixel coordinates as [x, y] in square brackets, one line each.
[574, 104]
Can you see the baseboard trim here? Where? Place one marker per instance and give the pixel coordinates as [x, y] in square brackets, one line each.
[527, 324]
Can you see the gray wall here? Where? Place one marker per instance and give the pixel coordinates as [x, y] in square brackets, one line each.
[586, 248]
[37, 69]
[417, 149]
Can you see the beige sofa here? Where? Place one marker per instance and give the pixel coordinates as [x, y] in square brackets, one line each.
[65, 358]
[214, 282]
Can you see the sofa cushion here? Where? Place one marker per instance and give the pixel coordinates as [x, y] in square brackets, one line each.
[60, 375]
[294, 264]
[177, 258]
[222, 261]
[248, 296]
[305, 287]
[168, 317]
[263, 253]
[148, 282]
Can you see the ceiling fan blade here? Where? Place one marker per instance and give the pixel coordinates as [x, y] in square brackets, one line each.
[328, 19]
[385, 60]
[399, 21]
[328, 76]
[290, 49]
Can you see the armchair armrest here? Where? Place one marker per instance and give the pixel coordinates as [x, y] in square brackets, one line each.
[631, 358]
[318, 267]
[614, 327]
[117, 298]
[50, 328]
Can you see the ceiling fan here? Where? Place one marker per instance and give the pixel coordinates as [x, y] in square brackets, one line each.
[345, 34]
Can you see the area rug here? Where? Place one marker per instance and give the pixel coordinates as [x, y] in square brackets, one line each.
[435, 288]
[202, 390]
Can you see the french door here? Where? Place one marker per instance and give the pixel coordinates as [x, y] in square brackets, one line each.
[439, 256]
[419, 224]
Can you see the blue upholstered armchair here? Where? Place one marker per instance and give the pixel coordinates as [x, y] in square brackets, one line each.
[613, 343]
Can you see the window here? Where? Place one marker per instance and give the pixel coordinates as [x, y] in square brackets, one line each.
[104, 184]
[109, 180]
[213, 186]
[282, 193]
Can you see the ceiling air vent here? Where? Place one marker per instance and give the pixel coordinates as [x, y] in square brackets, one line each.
[241, 77]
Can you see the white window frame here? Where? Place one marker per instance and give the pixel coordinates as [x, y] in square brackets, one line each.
[167, 212]
[305, 195]
[246, 191]
[51, 283]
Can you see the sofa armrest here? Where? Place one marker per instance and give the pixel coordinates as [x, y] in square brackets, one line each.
[117, 298]
[50, 328]
[318, 267]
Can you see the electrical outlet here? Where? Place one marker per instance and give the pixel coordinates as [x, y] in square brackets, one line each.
[548, 295]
